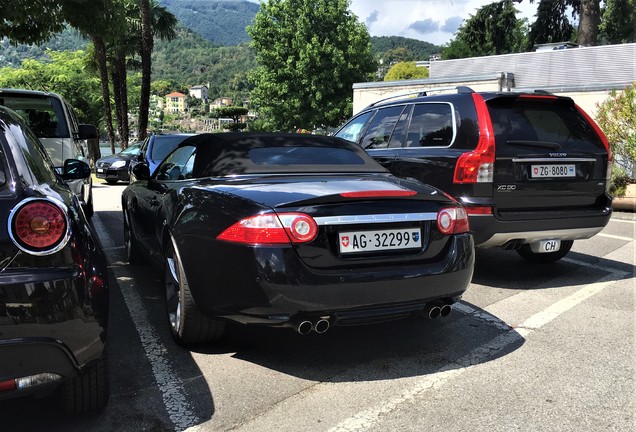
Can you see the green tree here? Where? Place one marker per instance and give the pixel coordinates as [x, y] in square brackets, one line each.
[551, 24]
[617, 118]
[310, 52]
[618, 22]
[66, 74]
[236, 113]
[404, 71]
[493, 30]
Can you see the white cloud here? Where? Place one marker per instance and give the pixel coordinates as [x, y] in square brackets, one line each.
[433, 21]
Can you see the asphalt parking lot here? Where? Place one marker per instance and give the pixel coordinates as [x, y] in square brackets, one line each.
[530, 348]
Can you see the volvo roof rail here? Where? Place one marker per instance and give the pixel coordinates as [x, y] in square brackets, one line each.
[422, 93]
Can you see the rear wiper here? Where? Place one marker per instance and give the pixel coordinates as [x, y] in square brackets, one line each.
[540, 144]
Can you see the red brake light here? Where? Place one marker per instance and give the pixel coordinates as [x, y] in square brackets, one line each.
[379, 193]
[271, 229]
[39, 226]
[452, 220]
[479, 210]
[477, 166]
[598, 131]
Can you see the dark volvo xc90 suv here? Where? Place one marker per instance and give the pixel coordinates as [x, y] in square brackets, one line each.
[531, 169]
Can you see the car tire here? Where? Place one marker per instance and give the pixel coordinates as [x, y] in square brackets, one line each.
[90, 390]
[133, 253]
[111, 181]
[544, 258]
[89, 210]
[188, 325]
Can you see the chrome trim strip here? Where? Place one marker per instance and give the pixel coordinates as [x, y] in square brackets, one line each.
[555, 160]
[375, 218]
[500, 239]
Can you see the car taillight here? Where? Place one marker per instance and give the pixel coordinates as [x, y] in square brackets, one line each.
[39, 226]
[452, 220]
[272, 229]
[606, 144]
[477, 166]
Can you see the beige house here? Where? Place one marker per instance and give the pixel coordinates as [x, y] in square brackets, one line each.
[175, 102]
[586, 74]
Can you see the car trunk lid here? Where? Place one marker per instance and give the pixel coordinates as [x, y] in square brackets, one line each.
[549, 156]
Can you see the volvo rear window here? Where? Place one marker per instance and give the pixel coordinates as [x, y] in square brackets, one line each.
[556, 125]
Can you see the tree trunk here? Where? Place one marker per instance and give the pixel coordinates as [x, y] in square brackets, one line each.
[589, 22]
[114, 73]
[123, 99]
[147, 45]
[100, 54]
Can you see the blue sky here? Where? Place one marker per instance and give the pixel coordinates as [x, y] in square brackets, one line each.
[433, 21]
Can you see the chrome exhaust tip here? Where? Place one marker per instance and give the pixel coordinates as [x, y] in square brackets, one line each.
[305, 327]
[445, 310]
[321, 326]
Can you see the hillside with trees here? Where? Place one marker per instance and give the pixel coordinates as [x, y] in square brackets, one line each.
[221, 22]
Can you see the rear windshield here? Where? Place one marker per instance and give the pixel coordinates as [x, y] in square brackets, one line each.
[43, 114]
[518, 121]
[218, 155]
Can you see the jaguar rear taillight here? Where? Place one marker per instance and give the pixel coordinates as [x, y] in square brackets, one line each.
[272, 229]
[39, 226]
[477, 166]
[452, 220]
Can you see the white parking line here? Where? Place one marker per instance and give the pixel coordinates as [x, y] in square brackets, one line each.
[368, 418]
[172, 392]
[612, 236]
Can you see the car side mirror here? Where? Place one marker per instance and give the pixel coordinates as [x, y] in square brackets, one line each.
[75, 169]
[141, 171]
[87, 131]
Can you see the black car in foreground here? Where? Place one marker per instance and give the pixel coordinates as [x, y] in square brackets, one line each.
[53, 279]
[114, 168]
[531, 169]
[296, 231]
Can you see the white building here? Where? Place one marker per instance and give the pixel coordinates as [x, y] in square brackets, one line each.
[199, 92]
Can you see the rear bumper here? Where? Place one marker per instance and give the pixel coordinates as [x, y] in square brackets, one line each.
[490, 231]
[50, 322]
[280, 288]
[27, 357]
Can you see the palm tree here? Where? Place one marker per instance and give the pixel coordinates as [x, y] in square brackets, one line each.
[155, 21]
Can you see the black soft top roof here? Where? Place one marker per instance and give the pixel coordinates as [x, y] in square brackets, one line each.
[261, 153]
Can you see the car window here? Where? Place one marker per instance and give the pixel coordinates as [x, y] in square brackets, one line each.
[537, 121]
[353, 130]
[381, 128]
[3, 171]
[44, 115]
[177, 166]
[163, 145]
[303, 156]
[431, 126]
[131, 150]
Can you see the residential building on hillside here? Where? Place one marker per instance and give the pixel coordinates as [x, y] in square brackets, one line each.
[199, 92]
[221, 102]
[175, 102]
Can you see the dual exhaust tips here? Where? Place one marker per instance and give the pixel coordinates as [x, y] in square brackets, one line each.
[320, 326]
[437, 310]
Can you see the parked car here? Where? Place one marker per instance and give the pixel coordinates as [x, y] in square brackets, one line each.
[53, 121]
[114, 168]
[532, 169]
[53, 279]
[154, 150]
[294, 231]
